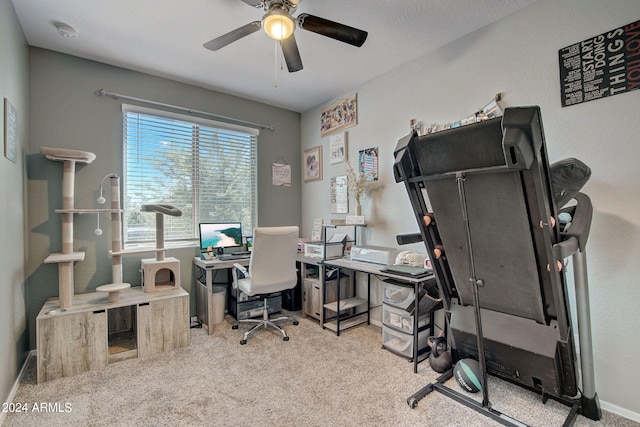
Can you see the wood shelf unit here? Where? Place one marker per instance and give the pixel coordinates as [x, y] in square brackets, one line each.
[343, 308]
[332, 325]
[345, 304]
[317, 291]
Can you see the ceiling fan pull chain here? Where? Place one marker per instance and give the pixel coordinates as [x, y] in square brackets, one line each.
[275, 74]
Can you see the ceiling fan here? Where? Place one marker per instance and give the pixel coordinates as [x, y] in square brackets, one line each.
[280, 25]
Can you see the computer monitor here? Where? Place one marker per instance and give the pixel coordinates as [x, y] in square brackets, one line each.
[220, 235]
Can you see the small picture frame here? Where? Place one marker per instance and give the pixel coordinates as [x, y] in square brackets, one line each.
[338, 148]
[312, 164]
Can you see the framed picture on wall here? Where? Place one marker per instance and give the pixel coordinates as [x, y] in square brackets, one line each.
[281, 174]
[338, 148]
[312, 164]
[10, 131]
[339, 195]
[368, 163]
[339, 115]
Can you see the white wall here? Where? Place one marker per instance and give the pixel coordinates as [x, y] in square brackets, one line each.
[518, 57]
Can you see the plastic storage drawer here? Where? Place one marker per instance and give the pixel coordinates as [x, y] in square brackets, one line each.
[398, 296]
[401, 320]
[401, 343]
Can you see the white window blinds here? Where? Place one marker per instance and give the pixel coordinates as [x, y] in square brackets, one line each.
[206, 169]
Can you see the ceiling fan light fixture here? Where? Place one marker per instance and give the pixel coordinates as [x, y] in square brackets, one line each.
[278, 24]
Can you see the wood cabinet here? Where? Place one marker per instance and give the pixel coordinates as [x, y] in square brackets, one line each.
[161, 326]
[72, 344]
[311, 271]
[93, 333]
[312, 298]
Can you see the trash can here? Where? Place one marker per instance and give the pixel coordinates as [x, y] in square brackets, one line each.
[218, 303]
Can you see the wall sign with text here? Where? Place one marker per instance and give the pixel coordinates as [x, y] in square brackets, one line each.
[605, 65]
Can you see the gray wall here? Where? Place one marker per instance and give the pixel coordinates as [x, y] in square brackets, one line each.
[66, 113]
[518, 56]
[14, 85]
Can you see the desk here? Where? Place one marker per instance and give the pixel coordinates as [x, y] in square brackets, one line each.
[358, 318]
[203, 271]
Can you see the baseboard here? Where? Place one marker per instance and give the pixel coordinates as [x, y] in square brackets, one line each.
[14, 389]
[634, 416]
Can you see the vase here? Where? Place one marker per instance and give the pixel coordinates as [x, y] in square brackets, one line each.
[358, 209]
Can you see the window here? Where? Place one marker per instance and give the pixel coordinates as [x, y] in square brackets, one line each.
[206, 169]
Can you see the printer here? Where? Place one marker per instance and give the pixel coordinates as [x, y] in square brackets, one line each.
[374, 254]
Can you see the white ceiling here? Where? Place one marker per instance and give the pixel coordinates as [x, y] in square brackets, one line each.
[165, 38]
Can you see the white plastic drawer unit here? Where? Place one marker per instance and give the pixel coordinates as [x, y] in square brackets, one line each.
[401, 343]
[398, 296]
[401, 320]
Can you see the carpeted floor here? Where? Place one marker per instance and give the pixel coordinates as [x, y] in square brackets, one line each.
[315, 379]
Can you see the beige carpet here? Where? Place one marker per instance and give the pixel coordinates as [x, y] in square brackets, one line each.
[315, 379]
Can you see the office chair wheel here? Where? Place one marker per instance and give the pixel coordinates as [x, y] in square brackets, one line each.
[412, 402]
[243, 342]
[234, 326]
[295, 322]
[285, 338]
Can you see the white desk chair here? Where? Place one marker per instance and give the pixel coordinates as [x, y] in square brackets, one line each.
[272, 268]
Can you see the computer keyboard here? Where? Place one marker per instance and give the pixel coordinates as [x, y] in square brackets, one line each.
[228, 257]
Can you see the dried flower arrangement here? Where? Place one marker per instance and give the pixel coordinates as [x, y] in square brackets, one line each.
[356, 182]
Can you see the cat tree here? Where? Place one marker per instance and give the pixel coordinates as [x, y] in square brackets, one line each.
[161, 272]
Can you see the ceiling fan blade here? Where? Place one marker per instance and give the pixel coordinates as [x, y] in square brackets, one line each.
[254, 3]
[335, 30]
[291, 54]
[233, 36]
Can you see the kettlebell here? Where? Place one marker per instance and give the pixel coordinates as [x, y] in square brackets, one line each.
[439, 359]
